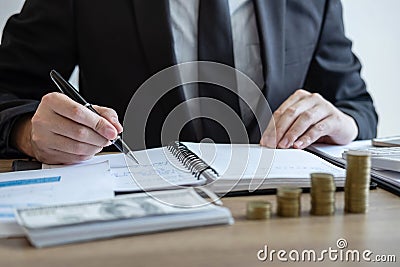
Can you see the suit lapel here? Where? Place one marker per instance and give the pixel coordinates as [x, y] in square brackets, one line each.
[271, 27]
[154, 27]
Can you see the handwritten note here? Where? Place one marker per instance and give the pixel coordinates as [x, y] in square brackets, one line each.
[159, 170]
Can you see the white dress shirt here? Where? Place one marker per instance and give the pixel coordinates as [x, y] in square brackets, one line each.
[246, 44]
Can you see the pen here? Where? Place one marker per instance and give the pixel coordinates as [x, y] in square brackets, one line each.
[67, 89]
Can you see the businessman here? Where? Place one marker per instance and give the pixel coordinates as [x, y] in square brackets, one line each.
[295, 51]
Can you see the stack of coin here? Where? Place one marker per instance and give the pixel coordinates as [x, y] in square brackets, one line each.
[322, 194]
[357, 181]
[289, 204]
[258, 210]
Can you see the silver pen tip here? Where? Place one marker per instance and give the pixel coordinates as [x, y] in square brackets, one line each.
[132, 157]
[127, 150]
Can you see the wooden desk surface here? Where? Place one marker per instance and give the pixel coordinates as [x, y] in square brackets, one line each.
[235, 245]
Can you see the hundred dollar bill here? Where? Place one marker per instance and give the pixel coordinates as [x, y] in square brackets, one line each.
[121, 207]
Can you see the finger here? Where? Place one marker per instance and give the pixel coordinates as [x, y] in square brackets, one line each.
[65, 144]
[271, 136]
[268, 139]
[302, 123]
[110, 115]
[294, 98]
[289, 117]
[67, 158]
[52, 156]
[78, 132]
[270, 131]
[68, 108]
[314, 133]
[46, 141]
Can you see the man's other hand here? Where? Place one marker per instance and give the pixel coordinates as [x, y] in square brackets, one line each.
[305, 118]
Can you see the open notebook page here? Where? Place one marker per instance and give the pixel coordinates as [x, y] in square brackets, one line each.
[158, 170]
[253, 161]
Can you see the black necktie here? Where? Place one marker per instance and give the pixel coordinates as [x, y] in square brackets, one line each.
[215, 32]
[215, 44]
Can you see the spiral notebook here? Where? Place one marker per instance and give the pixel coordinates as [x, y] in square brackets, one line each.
[221, 167]
[250, 167]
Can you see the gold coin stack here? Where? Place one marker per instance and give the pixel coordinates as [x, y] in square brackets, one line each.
[356, 190]
[258, 210]
[289, 204]
[322, 194]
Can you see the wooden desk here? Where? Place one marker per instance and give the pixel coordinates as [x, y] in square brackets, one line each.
[235, 245]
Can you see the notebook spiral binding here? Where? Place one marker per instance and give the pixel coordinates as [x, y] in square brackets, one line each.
[190, 160]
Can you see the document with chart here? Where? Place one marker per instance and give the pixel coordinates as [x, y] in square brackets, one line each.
[44, 187]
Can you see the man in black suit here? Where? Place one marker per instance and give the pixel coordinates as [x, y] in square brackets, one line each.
[288, 45]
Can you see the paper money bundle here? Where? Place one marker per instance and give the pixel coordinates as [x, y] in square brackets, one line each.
[125, 215]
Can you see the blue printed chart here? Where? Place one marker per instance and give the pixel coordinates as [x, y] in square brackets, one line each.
[53, 186]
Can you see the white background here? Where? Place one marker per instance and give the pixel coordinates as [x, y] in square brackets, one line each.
[374, 28]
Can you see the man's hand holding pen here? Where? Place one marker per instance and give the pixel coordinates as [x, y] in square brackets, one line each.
[64, 131]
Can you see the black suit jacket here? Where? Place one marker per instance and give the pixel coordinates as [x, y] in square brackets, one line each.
[120, 44]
